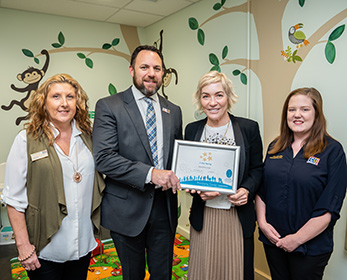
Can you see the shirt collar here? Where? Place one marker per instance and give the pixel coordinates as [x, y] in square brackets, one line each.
[138, 95]
[75, 130]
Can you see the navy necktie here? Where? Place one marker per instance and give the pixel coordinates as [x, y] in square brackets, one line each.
[151, 128]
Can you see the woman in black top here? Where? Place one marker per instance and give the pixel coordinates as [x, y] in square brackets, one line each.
[304, 186]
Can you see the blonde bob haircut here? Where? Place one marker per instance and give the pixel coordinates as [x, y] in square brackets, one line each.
[214, 77]
[316, 142]
[38, 118]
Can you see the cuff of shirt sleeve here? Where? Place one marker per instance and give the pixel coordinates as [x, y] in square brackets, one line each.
[149, 176]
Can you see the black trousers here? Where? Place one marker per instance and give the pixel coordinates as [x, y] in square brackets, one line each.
[70, 270]
[248, 258]
[295, 266]
[156, 240]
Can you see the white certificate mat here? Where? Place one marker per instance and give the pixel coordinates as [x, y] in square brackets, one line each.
[206, 167]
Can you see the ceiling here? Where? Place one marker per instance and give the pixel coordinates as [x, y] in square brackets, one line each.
[140, 13]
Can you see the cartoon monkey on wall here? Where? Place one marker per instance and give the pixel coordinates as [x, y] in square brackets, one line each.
[167, 71]
[32, 77]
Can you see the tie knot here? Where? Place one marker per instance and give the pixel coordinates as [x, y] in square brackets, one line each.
[148, 100]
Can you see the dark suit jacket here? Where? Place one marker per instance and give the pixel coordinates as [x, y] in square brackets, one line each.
[250, 170]
[122, 152]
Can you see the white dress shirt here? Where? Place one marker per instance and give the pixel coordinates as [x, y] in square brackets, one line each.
[75, 237]
[142, 105]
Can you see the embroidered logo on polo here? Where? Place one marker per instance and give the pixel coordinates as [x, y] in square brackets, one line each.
[276, 157]
[313, 160]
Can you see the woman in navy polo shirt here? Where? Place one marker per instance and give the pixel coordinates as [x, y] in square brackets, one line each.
[305, 178]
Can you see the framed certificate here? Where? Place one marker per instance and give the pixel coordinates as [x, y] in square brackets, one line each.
[206, 167]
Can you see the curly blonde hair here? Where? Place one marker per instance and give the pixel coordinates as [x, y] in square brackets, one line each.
[39, 120]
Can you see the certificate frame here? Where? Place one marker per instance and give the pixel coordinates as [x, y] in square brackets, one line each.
[205, 166]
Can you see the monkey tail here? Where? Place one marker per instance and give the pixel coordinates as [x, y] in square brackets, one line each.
[20, 119]
[14, 102]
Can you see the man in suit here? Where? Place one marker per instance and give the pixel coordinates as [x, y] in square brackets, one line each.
[140, 202]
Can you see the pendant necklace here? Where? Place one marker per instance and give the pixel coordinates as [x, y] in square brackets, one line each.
[225, 133]
[77, 176]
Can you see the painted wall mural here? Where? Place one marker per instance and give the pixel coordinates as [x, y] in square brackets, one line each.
[168, 72]
[274, 50]
[33, 75]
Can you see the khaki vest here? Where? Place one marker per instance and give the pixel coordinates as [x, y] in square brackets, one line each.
[45, 191]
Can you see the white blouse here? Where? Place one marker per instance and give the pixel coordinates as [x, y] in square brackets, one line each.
[75, 237]
[223, 135]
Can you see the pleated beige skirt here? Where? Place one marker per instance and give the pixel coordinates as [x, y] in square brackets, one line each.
[216, 252]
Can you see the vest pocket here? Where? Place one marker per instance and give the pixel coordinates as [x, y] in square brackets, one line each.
[32, 216]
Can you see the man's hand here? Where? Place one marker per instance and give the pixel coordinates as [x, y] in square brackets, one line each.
[166, 179]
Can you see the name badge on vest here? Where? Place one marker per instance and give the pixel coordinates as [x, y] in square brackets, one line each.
[39, 155]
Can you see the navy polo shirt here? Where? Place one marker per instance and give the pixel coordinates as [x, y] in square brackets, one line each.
[298, 189]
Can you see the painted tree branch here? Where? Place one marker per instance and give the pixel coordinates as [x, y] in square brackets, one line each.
[90, 50]
[241, 61]
[324, 29]
[241, 8]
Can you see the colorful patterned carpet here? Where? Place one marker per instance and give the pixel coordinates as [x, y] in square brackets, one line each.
[108, 267]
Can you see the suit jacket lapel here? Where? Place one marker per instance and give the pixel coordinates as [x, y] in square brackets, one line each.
[240, 142]
[135, 115]
[200, 130]
[166, 119]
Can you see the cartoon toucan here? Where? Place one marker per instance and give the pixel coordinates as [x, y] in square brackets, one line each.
[297, 36]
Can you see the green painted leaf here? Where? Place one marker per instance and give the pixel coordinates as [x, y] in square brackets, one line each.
[215, 68]
[61, 38]
[201, 37]
[243, 78]
[223, 2]
[37, 61]
[56, 45]
[225, 52]
[297, 58]
[213, 59]
[301, 3]
[337, 33]
[115, 42]
[193, 23]
[179, 210]
[106, 46]
[81, 55]
[91, 114]
[27, 53]
[236, 72]
[217, 6]
[330, 52]
[89, 63]
[112, 89]
[294, 53]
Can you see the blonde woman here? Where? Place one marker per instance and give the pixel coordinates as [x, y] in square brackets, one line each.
[221, 244]
[51, 188]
